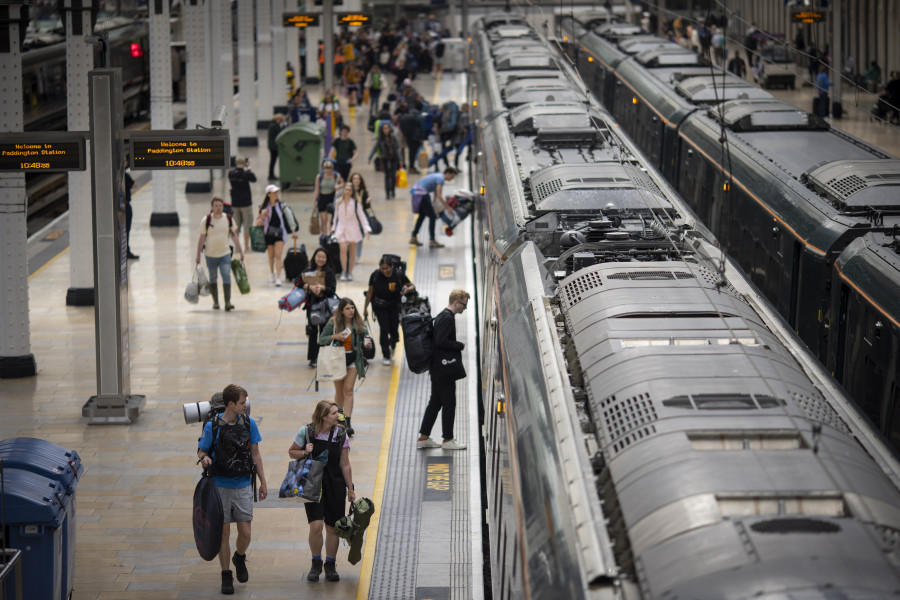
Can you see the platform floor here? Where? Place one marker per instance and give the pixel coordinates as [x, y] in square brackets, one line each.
[134, 537]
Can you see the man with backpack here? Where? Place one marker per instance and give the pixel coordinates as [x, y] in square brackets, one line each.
[411, 126]
[446, 369]
[216, 229]
[229, 447]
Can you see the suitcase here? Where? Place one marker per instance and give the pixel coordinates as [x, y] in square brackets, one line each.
[333, 250]
[295, 262]
[418, 332]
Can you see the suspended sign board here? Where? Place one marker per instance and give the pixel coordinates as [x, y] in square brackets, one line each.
[333, 2]
[300, 19]
[179, 149]
[41, 151]
[352, 19]
[807, 16]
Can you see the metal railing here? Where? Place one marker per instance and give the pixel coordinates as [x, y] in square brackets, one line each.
[10, 563]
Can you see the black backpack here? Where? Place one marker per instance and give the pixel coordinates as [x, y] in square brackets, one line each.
[230, 449]
[418, 340]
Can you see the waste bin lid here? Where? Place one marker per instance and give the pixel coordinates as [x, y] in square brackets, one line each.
[32, 498]
[301, 131]
[44, 458]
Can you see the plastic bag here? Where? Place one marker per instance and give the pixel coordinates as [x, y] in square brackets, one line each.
[192, 289]
[202, 281]
[402, 181]
[208, 518]
[257, 238]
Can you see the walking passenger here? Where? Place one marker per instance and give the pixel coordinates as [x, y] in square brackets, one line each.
[386, 286]
[446, 369]
[311, 441]
[229, 447]
[241, 198]
[362, 195]
[273, 131]
[318, 283]
[344, 152]
[346, 328]
[277, 223]
[216, 230]
[388, 146]
[327, 181]
[350, 223]
[430, 187]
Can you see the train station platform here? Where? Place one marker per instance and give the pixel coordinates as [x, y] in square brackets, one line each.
[134, 527]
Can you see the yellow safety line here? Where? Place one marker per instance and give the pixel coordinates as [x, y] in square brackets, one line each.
[365, 573]
[48, 263]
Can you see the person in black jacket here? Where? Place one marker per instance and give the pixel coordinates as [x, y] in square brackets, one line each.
[273, 131]
[320, 266]
[241, 197]
[446, 368]
[386, 286]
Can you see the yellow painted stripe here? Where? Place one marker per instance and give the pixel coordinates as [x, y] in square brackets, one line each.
[47, 264]
[368, 562]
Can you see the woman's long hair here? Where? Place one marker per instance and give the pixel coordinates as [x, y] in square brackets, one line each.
[312, 260]
[323, 407]
[340, 324]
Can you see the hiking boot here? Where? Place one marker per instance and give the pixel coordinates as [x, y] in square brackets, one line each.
[435, 244]
[414, 241]
[350, 430]
[226, 288]
[331, 573]
[240, 566]
[314, 571]
[214, 292]
[227, 583]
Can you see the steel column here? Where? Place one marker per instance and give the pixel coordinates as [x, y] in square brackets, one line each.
[164, 213]
[246, 75]
[198, 111]
[279, 56]
[79, 20]
[16, 359]
[263, 64]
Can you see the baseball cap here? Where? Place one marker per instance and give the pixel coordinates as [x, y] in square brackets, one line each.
[271, 188]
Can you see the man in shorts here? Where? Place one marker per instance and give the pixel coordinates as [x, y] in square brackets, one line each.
[233, 438]
[241, 197]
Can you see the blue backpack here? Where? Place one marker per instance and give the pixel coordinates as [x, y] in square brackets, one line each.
[449, 117]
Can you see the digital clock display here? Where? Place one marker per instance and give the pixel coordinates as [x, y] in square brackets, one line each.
[188, 150]
[41, 152]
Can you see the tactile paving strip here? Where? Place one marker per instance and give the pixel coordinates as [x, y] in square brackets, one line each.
[394, 573]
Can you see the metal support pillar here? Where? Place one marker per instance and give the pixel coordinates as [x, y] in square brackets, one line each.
[313, 35]
[291, 44]
[263, 64]
[79, 18]
[113, 402]
[328, 39]
[16, 359]
[279, 58]
[246, 75]
[161, 117]
[222, 67]
[198, 104]
[837, 57]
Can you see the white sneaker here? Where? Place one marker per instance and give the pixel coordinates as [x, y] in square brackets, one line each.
[385, 361]
[453, 445]
[343, 277]
[271, 277]
[277, 282]
[349, 276]
[429, 443]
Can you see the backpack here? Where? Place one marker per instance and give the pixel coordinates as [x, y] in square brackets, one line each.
[449, 117]
[209, 220]
[230, 449]
[439, 49]
[409, 125]
[376, 81]
[418, 340]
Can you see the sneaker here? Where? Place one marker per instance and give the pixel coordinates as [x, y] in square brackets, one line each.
[315, 570]
[447, 231]
[349, 276]
[240, 567]
[271, 277]
[331, 573]
[453, 445]
[385, 361]
[312, 364]
[414, 241]
[435, 244]
[429, 443]
[227, 583]
[277, 282]
[343, 277]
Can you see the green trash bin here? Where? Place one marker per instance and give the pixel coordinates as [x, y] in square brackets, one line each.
[300, 154]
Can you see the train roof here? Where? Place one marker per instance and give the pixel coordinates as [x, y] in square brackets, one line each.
[871, 264]
[705, 89]
[764, 114]
[857, 183]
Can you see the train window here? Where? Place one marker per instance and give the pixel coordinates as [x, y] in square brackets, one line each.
[782, 506]
[746, 440]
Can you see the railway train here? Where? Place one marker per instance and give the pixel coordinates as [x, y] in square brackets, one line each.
[652, 428]
[783, 191]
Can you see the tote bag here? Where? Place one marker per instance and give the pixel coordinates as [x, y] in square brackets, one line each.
[332, 364]
[303, 480]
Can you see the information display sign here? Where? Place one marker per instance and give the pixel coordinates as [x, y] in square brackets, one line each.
[45, 152]
[300, 19]
[179, 149]
[352, 19]
[807, 16]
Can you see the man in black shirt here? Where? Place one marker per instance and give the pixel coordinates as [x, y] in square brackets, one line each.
[386, 286]
[241, 197]
[343, 151]
[446, 369]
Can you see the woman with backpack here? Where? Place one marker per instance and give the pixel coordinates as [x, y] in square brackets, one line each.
[327, 181]
[362, 194]
[346, 328]
[386, 286]
[319, 282]
[388, 147]
[324, 434]
[350, 223]
[278, 222]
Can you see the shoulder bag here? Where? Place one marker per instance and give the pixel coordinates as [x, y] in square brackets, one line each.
[303, 480]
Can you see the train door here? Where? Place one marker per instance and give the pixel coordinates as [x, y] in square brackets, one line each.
[893, 421]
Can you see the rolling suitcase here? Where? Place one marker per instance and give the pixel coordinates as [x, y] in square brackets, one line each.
[295, 262]
[333, 250]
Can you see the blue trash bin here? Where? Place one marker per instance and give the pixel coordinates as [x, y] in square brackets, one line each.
[35, 513]
[59, 464]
